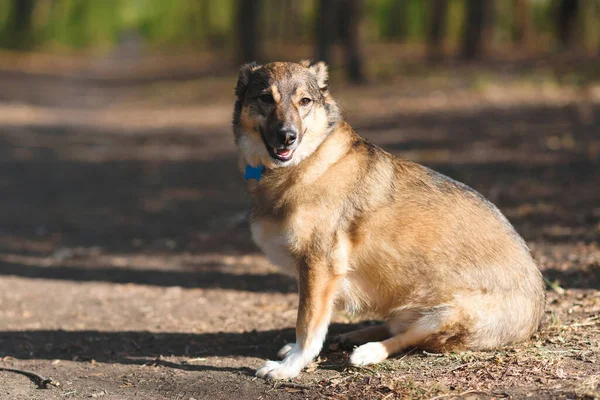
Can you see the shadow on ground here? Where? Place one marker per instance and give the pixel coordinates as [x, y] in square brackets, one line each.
[144, 347]
[194, 278]
[178, 190]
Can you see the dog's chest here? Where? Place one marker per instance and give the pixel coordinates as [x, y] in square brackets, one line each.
[274, 241]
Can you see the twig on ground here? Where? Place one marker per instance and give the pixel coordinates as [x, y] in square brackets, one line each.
[338, 380]
[588, 322]
[432, 354]
[459, 367]
[489, 373]
[407, 353]
[193, 360]
[555, 286]
[155, 362]
[505, 371]
[363, 368]
[291, 385]
[37, 379]
[465, 365]
[443, 396]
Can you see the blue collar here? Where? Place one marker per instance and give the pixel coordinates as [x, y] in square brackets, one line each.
[253, 172]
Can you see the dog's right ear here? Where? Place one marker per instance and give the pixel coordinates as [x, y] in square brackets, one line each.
[320, 70]
[244, 78]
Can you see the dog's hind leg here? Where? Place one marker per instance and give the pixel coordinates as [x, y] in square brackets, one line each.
[435, 328]
[369, 334]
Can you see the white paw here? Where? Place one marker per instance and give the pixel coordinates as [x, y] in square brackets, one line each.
[285, 350]
[277, 370]
[370, 353]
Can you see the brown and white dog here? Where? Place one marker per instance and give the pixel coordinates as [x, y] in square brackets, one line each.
[374, 234]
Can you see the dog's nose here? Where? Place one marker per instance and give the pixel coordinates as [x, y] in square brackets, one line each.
[287, 136]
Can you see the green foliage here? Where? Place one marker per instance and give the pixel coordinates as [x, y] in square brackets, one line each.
[82, 23]
[455, 19]
[182, 22]
[5, 13]
[401, 19]
[98, 24]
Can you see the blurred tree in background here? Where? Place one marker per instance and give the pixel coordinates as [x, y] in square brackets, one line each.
[437, 28]
[522, 28]
[248, 29]
[478, 23]
[566, 21]
[16, 32]
[260, 29]
[340, 21]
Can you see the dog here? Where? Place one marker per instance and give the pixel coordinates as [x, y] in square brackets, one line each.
[365, 231]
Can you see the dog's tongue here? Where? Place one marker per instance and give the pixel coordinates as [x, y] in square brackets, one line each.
[283, 152]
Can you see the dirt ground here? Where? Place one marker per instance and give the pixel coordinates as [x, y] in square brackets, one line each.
[127, 269]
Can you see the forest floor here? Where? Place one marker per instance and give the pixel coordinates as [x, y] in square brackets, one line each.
[127, 269]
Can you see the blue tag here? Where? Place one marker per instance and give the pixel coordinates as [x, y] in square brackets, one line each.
[253, 172]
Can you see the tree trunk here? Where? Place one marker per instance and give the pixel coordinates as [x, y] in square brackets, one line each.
[397, 20]
[205, 19]
[566, 22]
[478, 23]
[18, 32]
[435, 39]
[291, 21]
[325, 29]
[274, 10]
[522, 23]
[248, 35]
[353, 12]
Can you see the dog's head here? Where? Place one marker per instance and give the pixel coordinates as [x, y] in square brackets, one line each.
[283, 112]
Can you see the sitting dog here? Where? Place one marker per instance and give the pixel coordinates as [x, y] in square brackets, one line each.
[372, 233]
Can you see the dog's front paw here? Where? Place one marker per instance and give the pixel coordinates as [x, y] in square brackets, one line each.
[370, 353]
[277, 370]
[285, 350]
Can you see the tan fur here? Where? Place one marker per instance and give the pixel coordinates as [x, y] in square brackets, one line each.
[378, 235]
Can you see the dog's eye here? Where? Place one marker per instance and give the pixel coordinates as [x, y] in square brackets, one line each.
[266, 98]
[305, 101]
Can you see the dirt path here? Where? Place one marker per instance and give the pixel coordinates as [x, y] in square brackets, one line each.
[127, 270]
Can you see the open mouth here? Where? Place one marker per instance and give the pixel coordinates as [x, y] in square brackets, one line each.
[278, 154]
[281, 154]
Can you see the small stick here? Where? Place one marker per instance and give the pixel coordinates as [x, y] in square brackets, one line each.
[443, 396]
[291, 385]
[193, 360]
[459, 367]
[433, 354]
[363, 369]
[37, 379]
[489, 373]
[464, 365]
[407, 353]
[505, 371]
[155, 362]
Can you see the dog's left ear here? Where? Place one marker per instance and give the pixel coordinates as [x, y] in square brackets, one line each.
[320, 70]
[244, 78]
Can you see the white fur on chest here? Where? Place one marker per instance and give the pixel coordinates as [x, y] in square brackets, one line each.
[274, 242]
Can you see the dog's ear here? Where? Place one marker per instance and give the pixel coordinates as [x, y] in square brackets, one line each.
[244, 78]
[320, 70]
